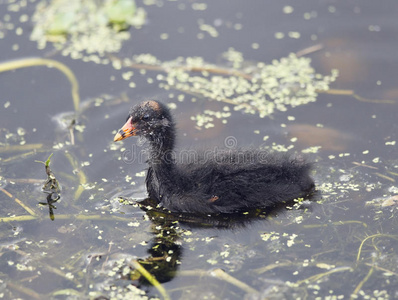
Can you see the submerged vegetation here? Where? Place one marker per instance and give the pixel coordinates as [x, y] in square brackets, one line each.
[339, 245]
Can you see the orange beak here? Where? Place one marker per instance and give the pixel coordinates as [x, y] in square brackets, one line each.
[126, 131]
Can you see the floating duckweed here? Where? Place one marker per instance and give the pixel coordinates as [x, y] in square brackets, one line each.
[88, 186]
[269, 236]
[80, 127]
[311, 149]
[140, 174]
[23, 18]
[238, 26]
[58, 146]
[127, 75]
[299, 219]
[280, 148]
[212, 261]
[172, 105]
[19, 31]
[199, 6]
[224, 254]
[217, 114]
[76, 26]
[294, 34]
[262, 89]
[337, 188]
[117, 64]
[290, 241]
[255, 46]
[288, 9]
[134, 224]
[209, 29]
[202, 119]
[234, 57]
[393, 189]
[21, 131]
[22, 267]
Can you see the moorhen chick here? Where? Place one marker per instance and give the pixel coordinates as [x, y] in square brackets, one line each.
[225, 182]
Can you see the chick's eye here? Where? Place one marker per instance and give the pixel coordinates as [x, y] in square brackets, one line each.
[145, 117]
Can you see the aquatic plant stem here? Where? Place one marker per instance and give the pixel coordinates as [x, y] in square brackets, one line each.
[353, 94]
[320, 275]
[309, 50]
[210, 69]
[80, 174]
[18, 218]
[66, 217]
[221, 275]
[372, 237]
[27, 208]
[50, 63]
[385, 176]
[272, 266]
[24, 290]
[359, 286]
[336, 223]
[381, 269]
[21, 156]
[364, 165]
[60, 273]
[20, 148]
[24, 180]
[148, 276]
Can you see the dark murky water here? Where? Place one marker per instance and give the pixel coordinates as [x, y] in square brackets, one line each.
[340, 246]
